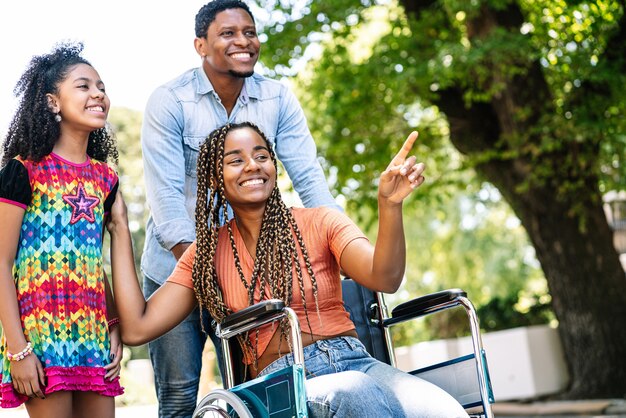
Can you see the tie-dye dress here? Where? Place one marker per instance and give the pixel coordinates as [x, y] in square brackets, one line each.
[59, 273]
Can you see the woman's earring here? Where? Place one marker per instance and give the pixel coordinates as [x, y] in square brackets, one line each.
[58, 118]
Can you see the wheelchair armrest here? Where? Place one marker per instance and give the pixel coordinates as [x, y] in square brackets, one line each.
[424, 305]
[255, 312]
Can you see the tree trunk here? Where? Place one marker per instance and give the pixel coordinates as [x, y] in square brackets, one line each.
[585, 280]
[583, 271]
[574, 247]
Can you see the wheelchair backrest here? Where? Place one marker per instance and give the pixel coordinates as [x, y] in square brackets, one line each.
[363, 306]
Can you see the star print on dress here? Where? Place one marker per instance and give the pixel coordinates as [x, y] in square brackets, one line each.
[82, 205]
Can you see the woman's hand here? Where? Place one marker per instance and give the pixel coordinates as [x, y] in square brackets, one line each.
[402, 176]
[119, 214]
[28, 376]
[117, 351]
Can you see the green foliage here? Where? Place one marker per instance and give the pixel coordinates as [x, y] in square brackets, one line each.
[471, 241]
[497, 314]
[126, 124]
[368, 72]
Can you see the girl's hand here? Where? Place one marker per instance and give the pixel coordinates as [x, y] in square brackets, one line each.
[28, 376]
[115, 367]
[402, 176]
[119, 214]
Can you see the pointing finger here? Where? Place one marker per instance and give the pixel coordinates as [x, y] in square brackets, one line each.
[407, 146]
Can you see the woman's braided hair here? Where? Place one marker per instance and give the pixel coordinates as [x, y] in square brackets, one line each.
[277, 249]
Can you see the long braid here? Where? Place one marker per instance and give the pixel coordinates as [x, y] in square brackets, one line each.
[276, 255]
[309, 269]
[204, 274]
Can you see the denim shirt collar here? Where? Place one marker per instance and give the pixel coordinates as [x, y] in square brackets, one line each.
[251, 88]
[203, 85]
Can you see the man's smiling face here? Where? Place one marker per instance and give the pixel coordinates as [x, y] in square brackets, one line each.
[231, 46]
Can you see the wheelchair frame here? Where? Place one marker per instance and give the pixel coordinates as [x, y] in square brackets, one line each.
[378, 317]
[238, 323]
[429, 304]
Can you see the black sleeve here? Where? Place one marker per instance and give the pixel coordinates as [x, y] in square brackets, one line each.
[108, 203]
[14, 184]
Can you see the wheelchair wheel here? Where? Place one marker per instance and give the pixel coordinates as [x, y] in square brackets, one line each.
[221, 403]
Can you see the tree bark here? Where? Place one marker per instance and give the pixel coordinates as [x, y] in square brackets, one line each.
[575, 248]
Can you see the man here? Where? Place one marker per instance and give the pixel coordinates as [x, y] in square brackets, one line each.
[178, 117]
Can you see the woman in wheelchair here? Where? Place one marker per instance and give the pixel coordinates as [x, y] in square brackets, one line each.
[269, 251]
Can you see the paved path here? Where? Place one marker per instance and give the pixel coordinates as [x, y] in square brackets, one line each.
[607, 408]
[140, 411]
[613, 408]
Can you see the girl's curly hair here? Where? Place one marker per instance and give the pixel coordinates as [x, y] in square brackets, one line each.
[33, 131]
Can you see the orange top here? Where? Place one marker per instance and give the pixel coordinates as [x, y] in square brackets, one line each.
[326, 233]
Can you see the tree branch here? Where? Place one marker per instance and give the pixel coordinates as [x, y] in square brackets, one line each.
[615, 50]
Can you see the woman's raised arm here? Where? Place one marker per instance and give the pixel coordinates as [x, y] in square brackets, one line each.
[381, 267]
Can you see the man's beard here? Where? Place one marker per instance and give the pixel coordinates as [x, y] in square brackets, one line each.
[240, 74]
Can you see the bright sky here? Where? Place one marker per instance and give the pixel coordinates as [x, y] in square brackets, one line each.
[134, 45]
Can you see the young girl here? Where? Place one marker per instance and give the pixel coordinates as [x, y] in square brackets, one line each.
[271, 251]
[60, 350]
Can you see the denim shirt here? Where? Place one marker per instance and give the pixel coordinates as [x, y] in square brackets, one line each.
[178, 118]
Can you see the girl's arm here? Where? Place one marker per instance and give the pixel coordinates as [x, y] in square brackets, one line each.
[141, 321]
[117, 348]
[381, 267]
[27, 374]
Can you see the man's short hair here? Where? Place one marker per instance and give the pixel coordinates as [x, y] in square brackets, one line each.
[206, 14]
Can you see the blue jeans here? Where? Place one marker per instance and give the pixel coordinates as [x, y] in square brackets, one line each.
[177, 359]
[343, 380]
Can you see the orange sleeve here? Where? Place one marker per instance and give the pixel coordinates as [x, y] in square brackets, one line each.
[340, 230]
[182, 272]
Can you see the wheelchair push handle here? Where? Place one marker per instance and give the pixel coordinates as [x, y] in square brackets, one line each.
[257, 312]
[427, 304]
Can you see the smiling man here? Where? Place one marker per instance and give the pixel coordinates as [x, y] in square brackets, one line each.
[178, 117]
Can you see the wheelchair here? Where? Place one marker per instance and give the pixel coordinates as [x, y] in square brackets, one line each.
[282, 393]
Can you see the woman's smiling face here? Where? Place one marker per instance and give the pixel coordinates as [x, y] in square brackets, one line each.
[249, 171]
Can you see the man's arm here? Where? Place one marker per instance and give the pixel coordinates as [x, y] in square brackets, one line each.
[179, 249]
[164, 169]
[296, 150]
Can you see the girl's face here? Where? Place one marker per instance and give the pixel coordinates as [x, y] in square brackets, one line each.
[249, 172]
[81, 99]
